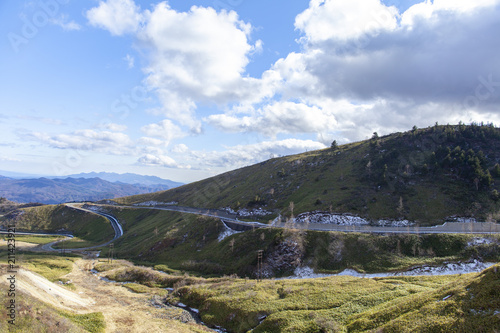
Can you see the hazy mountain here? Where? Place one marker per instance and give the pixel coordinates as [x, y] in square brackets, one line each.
[18, 175]
[52, 191]
[127, 178]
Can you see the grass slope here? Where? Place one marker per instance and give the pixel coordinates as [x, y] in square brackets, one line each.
[190, 243]
[90, 229]
[33, 316]
[346, 304]
[424, 175]
[455, 303]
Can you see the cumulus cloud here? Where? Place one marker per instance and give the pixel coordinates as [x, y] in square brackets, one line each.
[276, 118]
[160, 160]
[363, 67]
[180, 148]
[198, 56]
[240, 155]
[343, 20]
[434, 62]
[434, 56]
[165, 130]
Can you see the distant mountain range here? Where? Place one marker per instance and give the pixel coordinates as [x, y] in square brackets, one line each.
[127, 178]
[80, 187]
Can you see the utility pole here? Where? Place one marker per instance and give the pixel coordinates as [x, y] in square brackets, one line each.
[110, 253]
[259, 265]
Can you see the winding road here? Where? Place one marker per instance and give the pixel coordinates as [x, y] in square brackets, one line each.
[114, 223]
[446, 228]
[234, 223]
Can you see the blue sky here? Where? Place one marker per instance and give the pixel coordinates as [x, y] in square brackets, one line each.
[188, 89]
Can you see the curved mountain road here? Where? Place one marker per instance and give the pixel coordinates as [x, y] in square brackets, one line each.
[234, 223]
[446, 228]
[114, 223]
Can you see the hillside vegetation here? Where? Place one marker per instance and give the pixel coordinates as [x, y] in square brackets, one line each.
[467, 303]
[91, 228]
[187, 242]
[424, 175]
[454, 303]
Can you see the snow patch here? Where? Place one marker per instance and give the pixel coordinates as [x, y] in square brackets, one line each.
[330, 218]
[479, 241]
[227, 232]
[392, 223]
[253, 212]
[461, 219]
[229, 210]
[245, 212]
[474, 266]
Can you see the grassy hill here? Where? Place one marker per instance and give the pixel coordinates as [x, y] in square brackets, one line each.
[423, 175]
[190, 243]
[88, 229]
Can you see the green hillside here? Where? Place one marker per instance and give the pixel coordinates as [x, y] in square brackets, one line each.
[423, 175]
[189, 243]
[88, 229]
[466, 303]
[451, 303]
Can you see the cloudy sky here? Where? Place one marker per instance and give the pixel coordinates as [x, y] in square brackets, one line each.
[188, 89]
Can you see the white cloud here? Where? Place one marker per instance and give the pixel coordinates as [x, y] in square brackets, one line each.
[161, 160]
[157, 160]
[114, 127]
[104, 141]
[428, 10]
[180, 149]
[116, 16]
[129, 60]
[146, 141]
[198, 56]
[414, 72]
[363, 67]
[342, 20]
[279, 117]
[165, 130]
[63, 22]
[241, 155]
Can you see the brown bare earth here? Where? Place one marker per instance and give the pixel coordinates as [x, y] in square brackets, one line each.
[19, 245]
[123, 310]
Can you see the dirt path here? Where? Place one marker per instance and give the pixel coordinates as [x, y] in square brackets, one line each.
[49, 292]
[123, 310]
[19, 245]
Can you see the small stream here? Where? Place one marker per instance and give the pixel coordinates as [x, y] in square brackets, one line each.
[195, 313]
[474, 266]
